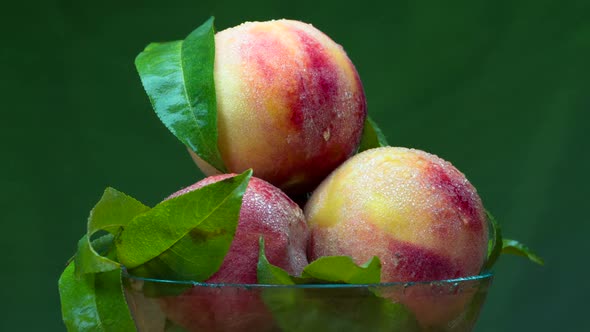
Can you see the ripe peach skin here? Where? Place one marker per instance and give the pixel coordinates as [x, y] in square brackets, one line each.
[413, 210]
[290, 103]
[266, 211]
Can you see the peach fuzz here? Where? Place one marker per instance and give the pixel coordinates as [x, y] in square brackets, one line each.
[266, 211]
[290, 103]
[413, 210]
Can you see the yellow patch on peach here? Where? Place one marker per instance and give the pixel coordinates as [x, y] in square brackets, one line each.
[388, 203]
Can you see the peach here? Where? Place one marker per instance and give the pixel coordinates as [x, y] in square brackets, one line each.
[413, 210]
[290, 103]
[266, 211]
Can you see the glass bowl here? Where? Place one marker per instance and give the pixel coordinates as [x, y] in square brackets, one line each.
[165, 305]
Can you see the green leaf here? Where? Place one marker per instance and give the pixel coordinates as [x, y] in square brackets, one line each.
[89, 259]
[186, 237]
[342, 269]
[113, 211]
[94, 302]
[178, 78]
[328, 269]
[268, 273]
[297, 309]
[494, 244]
[372, 137]
[497, 246]
[514, 247]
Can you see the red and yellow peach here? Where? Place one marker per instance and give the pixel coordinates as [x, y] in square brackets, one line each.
[266, 211]
[290, 103]
[413, 210]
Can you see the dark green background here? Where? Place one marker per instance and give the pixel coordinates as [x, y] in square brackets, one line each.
[500, 88]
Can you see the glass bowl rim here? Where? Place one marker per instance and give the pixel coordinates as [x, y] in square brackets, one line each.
[480, 277]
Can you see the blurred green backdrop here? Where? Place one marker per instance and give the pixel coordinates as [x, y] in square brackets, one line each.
[500, 88]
